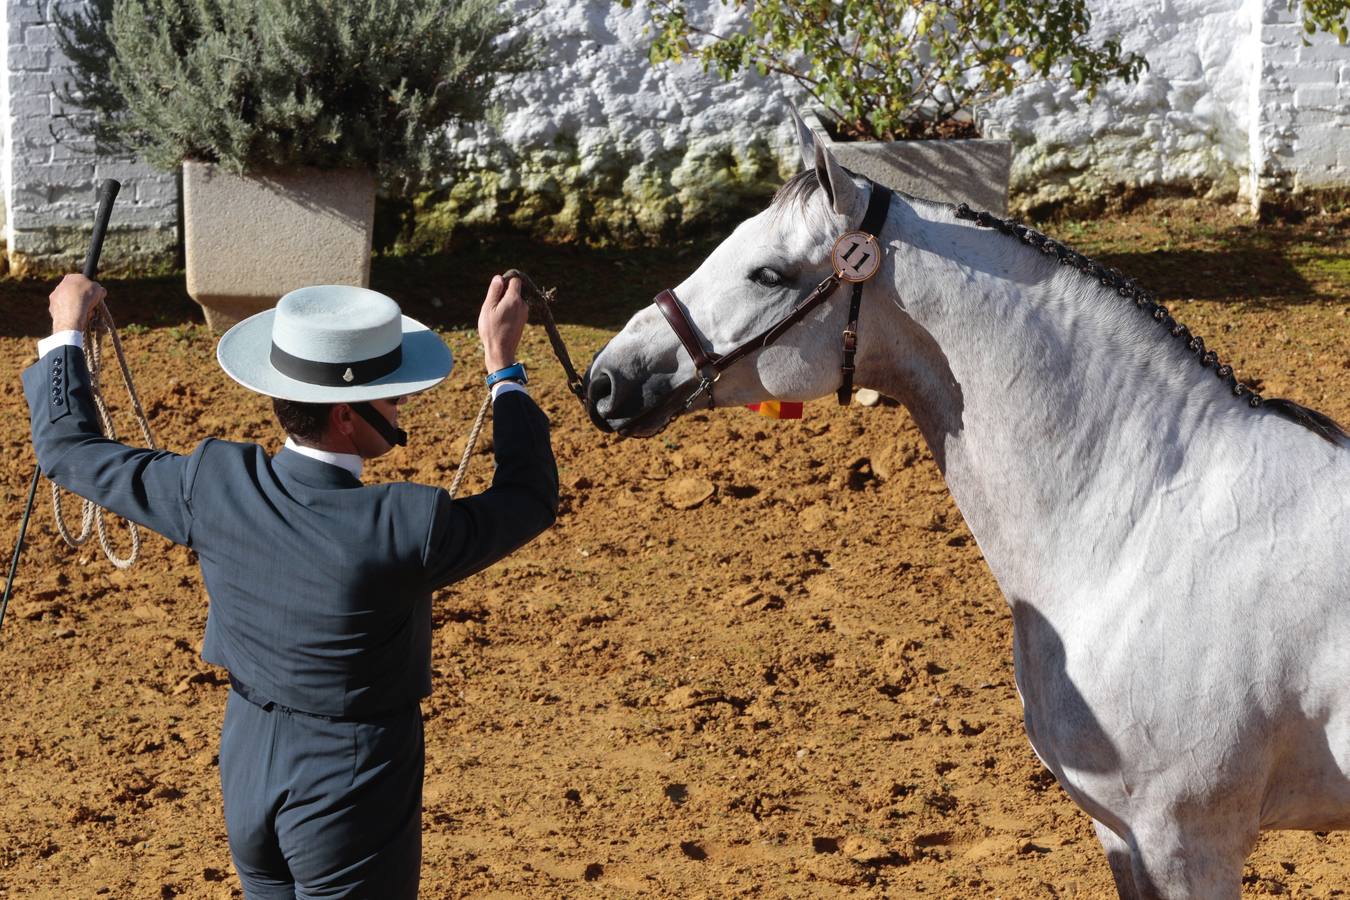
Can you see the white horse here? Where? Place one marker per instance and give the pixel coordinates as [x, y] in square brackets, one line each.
[1177, 559]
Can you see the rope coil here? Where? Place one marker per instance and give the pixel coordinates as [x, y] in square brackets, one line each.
[91, 514]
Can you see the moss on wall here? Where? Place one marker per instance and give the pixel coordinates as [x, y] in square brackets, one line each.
[1050, 178]
[126, 252]
[601, 196]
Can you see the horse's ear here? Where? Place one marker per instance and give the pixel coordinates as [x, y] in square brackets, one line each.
[806, 139]
[837, 183]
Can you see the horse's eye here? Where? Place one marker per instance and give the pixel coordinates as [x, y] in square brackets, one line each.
[766, 277]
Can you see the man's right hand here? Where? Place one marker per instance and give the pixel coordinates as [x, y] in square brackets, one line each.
[501, 323]
[72, 302]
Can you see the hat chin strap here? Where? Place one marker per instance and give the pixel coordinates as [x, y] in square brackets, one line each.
[375, 419]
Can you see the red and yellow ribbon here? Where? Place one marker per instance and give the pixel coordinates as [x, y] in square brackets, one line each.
[777, 409]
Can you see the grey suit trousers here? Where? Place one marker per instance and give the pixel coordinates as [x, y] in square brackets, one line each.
[317, 808]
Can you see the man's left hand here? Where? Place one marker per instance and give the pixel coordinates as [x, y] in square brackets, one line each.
[72, 302]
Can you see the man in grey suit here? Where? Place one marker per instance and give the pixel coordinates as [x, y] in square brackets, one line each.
[320, 587]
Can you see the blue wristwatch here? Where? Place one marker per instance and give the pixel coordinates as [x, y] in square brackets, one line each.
[514, 372]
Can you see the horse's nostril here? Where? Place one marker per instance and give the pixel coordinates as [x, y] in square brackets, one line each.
[598, 389]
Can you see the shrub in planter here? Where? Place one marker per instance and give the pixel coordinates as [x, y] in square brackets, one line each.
[258, 98]
[280, 84]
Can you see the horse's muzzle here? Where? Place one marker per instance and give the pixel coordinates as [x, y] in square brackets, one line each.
[640, 422]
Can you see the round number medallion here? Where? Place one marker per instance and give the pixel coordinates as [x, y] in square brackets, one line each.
[856, 256]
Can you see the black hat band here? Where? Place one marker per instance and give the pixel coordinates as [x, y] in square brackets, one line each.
[339, 374]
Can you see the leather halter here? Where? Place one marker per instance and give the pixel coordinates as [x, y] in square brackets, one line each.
[711, 365]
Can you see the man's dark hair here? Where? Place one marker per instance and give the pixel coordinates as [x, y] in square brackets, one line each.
[306, 421]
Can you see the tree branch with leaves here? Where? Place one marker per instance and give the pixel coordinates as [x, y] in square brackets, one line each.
[893, 69]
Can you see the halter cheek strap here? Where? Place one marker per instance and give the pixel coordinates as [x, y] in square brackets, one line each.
[710, 366]
[877, 207]
[375, 419]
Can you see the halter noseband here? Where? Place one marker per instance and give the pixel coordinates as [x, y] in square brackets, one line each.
[855, 258]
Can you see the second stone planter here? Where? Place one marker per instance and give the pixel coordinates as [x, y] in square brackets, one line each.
[974, 171]
[250, 239]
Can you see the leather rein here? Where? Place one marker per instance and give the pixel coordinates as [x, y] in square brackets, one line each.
[855, 258]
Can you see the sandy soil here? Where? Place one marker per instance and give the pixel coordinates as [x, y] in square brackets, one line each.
[754, 658]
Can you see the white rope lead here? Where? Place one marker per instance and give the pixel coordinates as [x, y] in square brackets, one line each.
[470, 444]
[91, 517]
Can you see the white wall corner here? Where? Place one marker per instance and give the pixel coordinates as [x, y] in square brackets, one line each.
[6, 133]
[1255, 14]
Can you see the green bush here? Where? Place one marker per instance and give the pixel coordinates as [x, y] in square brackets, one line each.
[894, 69]
[274, 84]
[1331, 16]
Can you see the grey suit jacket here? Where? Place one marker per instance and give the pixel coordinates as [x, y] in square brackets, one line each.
[320, 587]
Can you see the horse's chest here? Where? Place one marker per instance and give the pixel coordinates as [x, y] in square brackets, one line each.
[1100, 689]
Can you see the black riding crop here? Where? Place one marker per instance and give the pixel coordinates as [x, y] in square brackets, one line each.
[107, 193]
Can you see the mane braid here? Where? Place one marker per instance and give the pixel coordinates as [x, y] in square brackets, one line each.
[1318, 423]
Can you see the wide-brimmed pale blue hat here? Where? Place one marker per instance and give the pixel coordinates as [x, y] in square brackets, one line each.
[334, 344]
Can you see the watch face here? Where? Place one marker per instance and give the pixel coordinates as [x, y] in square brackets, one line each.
[856, 256]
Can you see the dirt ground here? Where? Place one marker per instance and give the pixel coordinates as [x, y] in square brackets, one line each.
[753, 658]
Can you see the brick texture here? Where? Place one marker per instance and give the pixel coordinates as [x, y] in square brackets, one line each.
[51, 175]
[1299, 115]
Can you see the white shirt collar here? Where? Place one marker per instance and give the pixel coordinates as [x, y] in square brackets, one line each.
[349, 461]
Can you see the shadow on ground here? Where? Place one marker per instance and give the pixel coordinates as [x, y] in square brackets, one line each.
[596, 287]
[1210, 254]
[600, 288]
[1248, 275]
[1201, 253]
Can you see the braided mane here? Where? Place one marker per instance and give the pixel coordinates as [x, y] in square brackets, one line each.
[1317, 422]
[800, 187]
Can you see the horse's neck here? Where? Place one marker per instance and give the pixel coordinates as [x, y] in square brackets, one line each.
[1055, 410]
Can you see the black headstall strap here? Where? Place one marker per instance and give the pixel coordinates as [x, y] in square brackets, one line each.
[878, 205]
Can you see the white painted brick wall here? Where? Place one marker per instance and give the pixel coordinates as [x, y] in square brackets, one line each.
[4, 130]
[1300, 119]
[1232, 99]
[51, 173]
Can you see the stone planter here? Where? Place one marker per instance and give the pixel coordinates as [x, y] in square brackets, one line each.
[972, 171]
[248, 240]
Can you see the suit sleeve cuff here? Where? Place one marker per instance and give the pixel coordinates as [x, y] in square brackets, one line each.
[503, 387]
[60, 339]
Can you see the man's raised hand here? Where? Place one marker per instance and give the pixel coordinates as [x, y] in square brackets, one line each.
[501, 323]
[72, 302]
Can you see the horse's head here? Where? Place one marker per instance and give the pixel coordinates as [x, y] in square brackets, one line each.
[648, 374]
